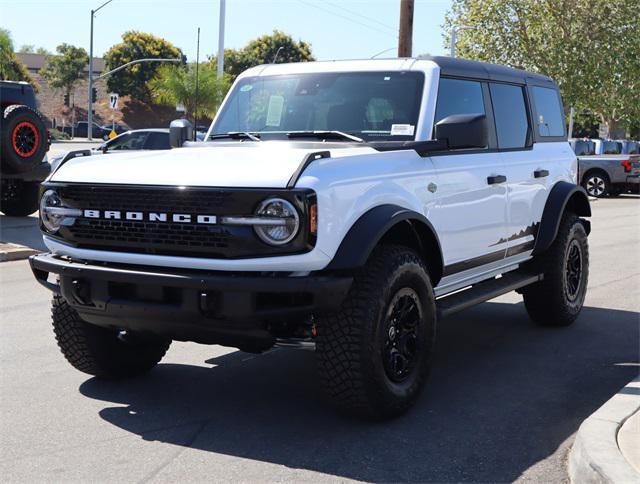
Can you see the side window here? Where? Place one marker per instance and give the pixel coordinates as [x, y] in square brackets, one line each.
[550, 119]
[157, 141]
[510, 112]
[130, 141]
[456, 96]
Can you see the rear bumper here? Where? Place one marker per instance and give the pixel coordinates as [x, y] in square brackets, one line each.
[633, 179]
[234, 309]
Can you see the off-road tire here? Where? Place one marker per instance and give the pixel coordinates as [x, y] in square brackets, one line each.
[350, 345]
[25, 203]
[24, 139]
[552, 302]
[596, 183]
[98, 351]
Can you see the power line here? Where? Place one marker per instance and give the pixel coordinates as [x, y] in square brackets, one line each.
[348, 18]
[370, 19]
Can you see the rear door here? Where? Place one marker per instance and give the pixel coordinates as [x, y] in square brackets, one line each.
[470, 218]
[527, 167]
[532, 141]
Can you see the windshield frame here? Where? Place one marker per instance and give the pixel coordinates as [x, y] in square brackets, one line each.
[421, 86]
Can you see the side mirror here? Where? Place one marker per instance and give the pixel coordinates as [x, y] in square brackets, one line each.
[463, 131]
[180, 130]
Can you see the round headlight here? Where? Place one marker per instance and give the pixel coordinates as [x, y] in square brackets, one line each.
[50, 221]
[287, 219]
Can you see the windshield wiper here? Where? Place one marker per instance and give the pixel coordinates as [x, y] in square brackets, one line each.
[236, 135]
[324, 135]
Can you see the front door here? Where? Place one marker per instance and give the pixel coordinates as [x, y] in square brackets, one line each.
[471, 214]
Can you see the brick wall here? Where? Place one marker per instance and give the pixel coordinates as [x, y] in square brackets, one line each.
[51, 102]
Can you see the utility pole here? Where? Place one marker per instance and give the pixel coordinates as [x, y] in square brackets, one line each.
[195, 103]
[90, 103]
[221, 39]
[405, 40]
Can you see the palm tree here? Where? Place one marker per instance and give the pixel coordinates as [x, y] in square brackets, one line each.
[177, 85]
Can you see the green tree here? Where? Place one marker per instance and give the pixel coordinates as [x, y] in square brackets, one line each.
[177, 85]
[263, 51]
[133, 80]
[11, 69]
[591, 48]
[64, 70]
[31, 49]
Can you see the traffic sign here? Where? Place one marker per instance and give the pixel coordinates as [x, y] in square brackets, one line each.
[113, 100]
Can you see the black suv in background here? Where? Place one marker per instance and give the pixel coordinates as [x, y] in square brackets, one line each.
[24, 141]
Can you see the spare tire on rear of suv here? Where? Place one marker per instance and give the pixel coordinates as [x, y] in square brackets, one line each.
[23, 139]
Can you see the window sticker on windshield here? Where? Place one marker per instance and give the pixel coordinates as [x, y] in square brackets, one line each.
[274, 111]
[246, 87]
[402, 129]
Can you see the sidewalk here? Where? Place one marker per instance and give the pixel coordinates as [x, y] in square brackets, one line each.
[607, 446]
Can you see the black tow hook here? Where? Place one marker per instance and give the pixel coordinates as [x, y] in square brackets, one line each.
[81, 292]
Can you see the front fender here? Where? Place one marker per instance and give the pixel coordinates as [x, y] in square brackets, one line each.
[369, 229]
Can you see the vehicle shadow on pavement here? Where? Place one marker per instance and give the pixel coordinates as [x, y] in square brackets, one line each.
[22, 231]
[503, 395]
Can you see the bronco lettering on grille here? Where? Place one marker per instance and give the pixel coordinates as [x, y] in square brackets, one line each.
[151, 216]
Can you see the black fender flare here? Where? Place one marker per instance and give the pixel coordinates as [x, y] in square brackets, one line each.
[370, 228]
[562, 196]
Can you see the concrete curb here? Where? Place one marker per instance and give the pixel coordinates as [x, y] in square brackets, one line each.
[77, 141]
[10, 252]
[595, 456]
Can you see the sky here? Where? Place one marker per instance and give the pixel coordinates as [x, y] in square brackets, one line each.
[336, 29]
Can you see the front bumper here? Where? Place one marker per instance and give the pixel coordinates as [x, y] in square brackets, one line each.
[233, 309]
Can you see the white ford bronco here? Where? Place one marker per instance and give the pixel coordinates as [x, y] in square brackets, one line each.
[343, 206]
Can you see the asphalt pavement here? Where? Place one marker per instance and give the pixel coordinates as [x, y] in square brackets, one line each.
[503, 402]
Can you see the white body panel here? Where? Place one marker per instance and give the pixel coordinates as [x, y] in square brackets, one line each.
[259, 165]
[471, 215]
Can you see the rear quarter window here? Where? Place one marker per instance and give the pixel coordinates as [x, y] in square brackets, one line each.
[549, 115]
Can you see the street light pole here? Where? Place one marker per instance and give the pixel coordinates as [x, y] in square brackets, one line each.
[90, 103]
[454, 38]
[221, 39]
[90, 108]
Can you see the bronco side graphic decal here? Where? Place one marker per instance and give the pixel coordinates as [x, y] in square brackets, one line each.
[530, 230]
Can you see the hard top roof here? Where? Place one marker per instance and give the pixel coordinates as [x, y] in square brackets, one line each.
[448, 66]
[454, 66]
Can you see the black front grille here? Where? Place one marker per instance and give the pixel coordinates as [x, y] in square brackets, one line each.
[174, 238]
[150, 199]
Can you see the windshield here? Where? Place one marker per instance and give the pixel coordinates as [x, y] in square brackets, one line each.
[369, 105]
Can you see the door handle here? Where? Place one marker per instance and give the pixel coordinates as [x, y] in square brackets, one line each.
[540, 173]
[492, 180]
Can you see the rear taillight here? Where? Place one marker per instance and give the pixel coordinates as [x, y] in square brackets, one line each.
[626, 164]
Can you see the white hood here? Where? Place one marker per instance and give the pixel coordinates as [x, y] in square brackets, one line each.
[267, 164]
